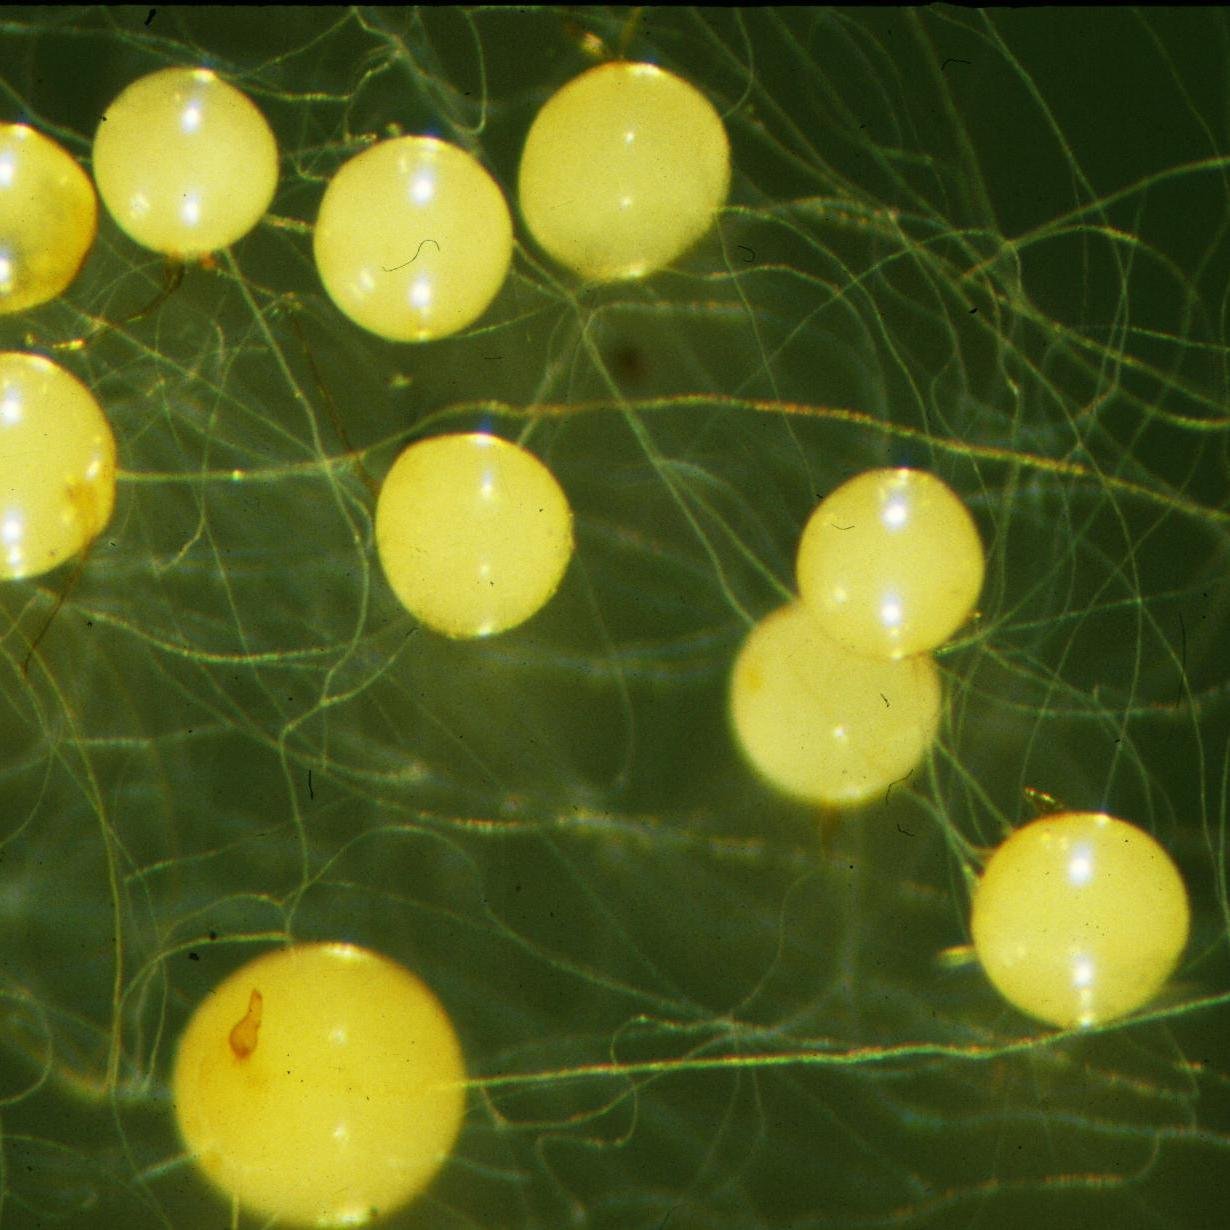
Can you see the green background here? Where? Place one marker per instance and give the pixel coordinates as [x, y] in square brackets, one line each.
[991, 244]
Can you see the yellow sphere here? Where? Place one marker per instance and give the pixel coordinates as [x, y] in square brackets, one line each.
[48, 218]
[623, 170]
[57, 465]
[320, 1085]
[185, 163]
[413, 239]
[891, 563]
[823, 724]
[1079, 918]
[473, 532]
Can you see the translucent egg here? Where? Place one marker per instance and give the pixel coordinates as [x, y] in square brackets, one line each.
[57, 465]
[623, 171]
[823, 724]
[413, 240]
[891, 563]
[319, 1085]
[185, 163]
[48, 218]
[1079, 918]
[473, 532]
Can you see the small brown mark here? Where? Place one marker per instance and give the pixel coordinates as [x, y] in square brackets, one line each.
[243, 1036]
[91, 504]
[629, 364]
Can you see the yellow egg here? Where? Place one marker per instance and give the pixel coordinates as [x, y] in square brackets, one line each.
[48, 218]
[319, 1085]
[623, 170]
[57, 465]
[413, 239]
[185, 163]
[473, 532]
[891, 563]
[1079, 918]
[823, 724]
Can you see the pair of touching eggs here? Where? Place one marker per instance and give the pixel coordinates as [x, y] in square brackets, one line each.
[835, 697]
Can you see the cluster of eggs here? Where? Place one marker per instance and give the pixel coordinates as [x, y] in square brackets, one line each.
[836, 697]
[322, 1084]
[623, 170]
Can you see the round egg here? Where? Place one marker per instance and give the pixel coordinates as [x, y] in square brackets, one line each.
[474, 533]
[319, 1085]
[413, 239]
[1079, 918]
[623, 170]
[48, 218]
[823, 724]
[185, 163]
[57, 465]
[891, 563]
